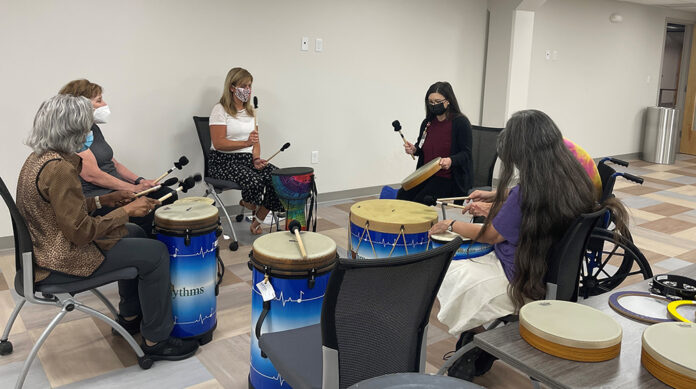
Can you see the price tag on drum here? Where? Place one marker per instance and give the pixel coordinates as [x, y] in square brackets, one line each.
[266, 289]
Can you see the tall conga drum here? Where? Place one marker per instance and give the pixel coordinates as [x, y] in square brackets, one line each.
[190, 231]
[294, 186]
[389, 228]
[299, 286]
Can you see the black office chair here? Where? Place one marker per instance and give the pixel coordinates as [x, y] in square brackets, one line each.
[59, 295]
[562, 275]
[374, 321]
[484, 152]
[215, 186]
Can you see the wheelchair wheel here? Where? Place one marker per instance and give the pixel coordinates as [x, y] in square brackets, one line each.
[608, 261]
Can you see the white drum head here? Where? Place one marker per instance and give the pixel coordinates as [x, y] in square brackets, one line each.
[570, 324]
[282, 248]
[447, 236]
[672, 345]
[186, 215]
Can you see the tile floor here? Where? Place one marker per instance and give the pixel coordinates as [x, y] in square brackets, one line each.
[82, 353]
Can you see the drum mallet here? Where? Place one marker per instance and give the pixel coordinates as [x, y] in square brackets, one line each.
[256, 106]
[430, 200]
[295, 228]
[187, 184]
[285, 146]
[183, 161]
[397, 128]
[168, 182]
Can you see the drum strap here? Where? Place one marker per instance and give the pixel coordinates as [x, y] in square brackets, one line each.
[264, 312]
[312, 207]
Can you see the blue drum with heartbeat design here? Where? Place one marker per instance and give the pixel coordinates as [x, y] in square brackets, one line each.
[299, 285]
[468, 249]
[190, 231]
[389, 228]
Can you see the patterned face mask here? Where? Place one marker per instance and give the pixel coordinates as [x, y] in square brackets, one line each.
[242, 94]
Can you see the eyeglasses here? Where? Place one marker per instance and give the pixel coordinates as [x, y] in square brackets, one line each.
[436, 102]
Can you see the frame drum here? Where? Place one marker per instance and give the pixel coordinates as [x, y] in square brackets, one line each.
[386, 228]
[299, 285]
[190, 231]
[421, 174]
[467, 250]
[570, 330]
[668, 353]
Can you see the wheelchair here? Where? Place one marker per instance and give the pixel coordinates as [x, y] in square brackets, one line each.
[610, 257]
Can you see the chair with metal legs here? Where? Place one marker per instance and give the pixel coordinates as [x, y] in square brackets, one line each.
[61, 295]
[215, 186]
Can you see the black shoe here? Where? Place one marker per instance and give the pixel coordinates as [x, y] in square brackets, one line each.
[483, 363]
[132, 326]
[172, 349]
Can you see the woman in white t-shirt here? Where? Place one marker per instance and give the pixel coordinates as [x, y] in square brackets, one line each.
[235, 148]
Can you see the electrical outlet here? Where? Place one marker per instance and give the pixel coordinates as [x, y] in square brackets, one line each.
[315, 156]
[305, 44]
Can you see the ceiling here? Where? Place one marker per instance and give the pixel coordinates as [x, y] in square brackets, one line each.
[681, 5]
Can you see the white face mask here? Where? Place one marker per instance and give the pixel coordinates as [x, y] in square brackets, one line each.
[101, 114]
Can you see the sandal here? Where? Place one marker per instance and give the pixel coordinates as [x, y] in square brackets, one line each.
[258, 230]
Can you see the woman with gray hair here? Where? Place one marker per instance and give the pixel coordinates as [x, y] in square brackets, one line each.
[70, 245]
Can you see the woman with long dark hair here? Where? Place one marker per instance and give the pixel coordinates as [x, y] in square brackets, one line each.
[523, 223]
[446, 133]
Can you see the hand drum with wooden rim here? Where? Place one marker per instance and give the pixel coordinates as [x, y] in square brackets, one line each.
[570, 330]
[389, 228]
[669, 353]
[468, 249]
[421, 174]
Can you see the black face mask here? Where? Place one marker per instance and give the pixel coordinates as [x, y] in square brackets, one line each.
[437, 109]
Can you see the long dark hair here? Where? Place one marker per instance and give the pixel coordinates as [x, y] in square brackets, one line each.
[554, 191]
[445, 89]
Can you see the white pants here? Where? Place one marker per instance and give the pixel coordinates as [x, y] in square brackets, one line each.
[473, 292]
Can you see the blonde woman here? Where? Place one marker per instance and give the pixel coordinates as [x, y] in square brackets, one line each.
[235, 149]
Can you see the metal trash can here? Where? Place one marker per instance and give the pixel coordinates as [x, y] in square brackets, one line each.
[661, 135]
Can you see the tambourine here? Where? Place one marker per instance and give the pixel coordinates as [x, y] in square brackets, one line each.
[674, 287]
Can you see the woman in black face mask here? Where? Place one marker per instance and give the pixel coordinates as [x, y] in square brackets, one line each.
[445, 133]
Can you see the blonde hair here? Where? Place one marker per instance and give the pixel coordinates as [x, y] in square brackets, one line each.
[82, 87]
[235, 77]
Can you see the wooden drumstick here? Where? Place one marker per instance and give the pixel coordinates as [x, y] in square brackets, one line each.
[285, 146]
[187, 184]
[146, 191]
[170, 194]
[295, 228]
[453, 198]
[168, 182]
[397, 128]
[430, 200]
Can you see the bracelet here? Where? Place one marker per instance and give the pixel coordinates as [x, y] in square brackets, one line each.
[96, 202]
[451, 226]
[137, 180]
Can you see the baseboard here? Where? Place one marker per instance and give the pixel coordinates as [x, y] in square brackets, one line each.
[6, 243]
[625, 157]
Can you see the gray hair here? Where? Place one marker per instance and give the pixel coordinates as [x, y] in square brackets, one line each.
[61, 124]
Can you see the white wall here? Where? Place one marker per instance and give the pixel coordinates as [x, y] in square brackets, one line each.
[605, 74]
[161, 62]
